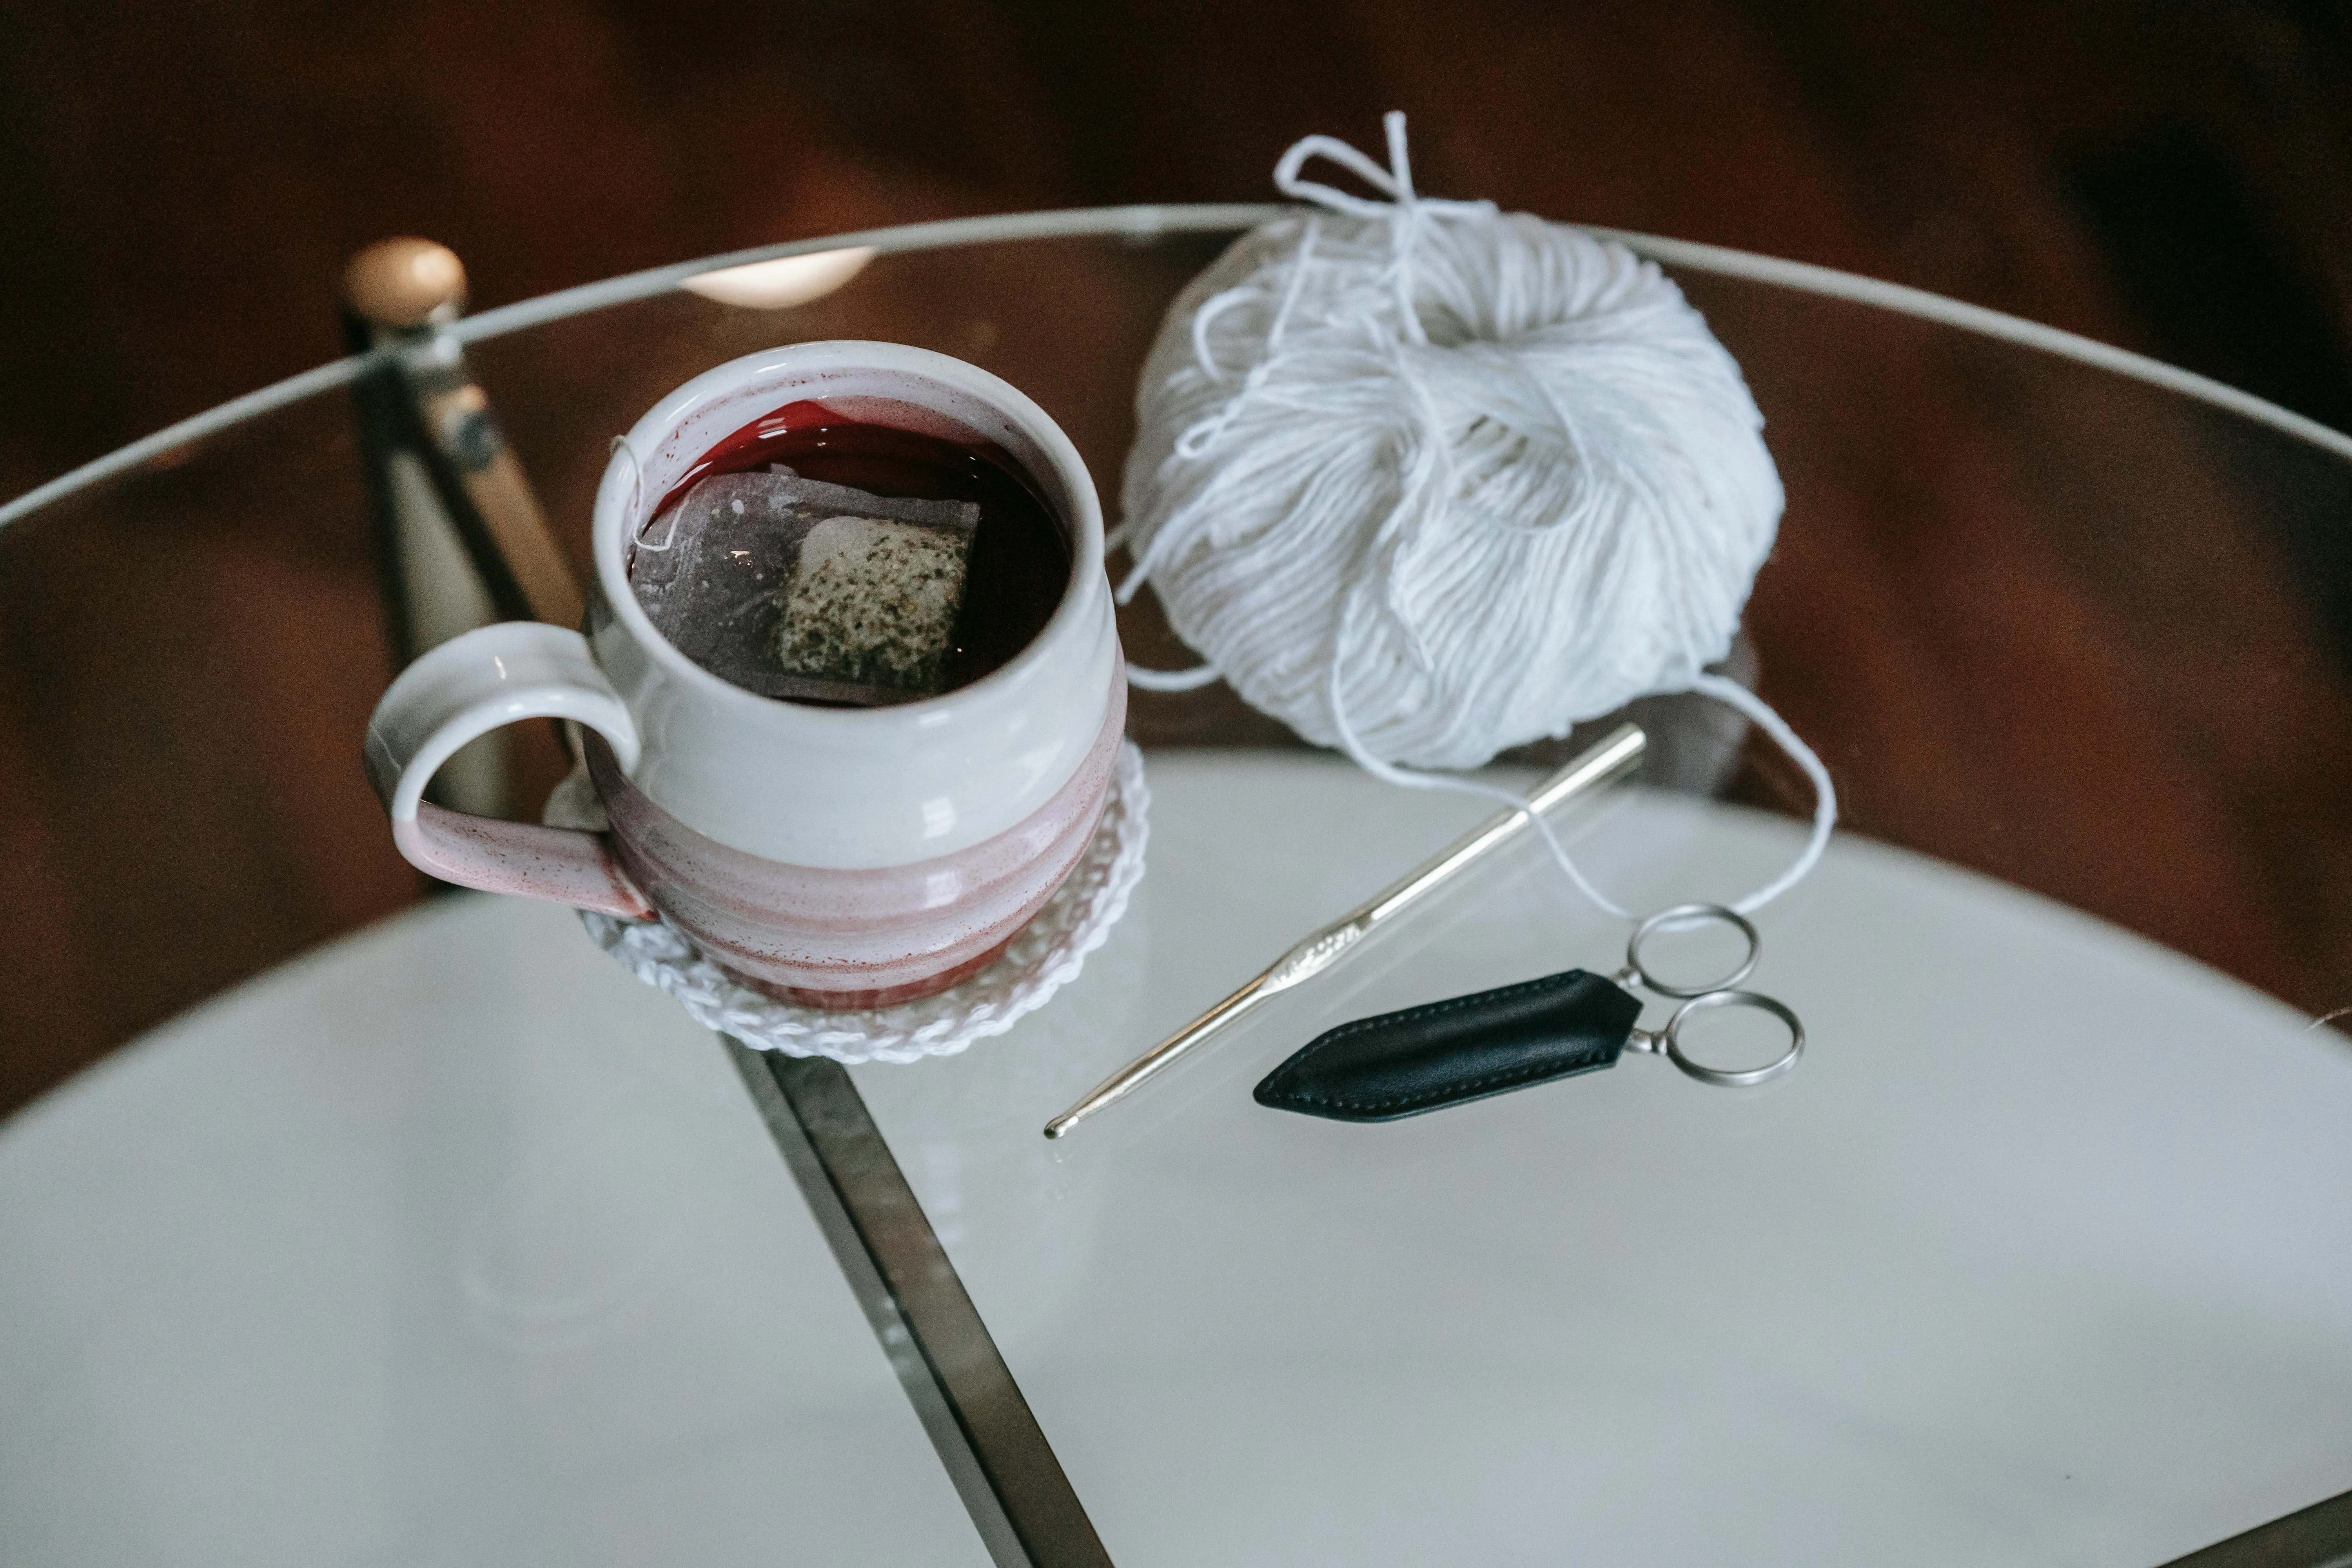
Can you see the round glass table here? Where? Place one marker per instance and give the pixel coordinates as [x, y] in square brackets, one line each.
[424, 1234]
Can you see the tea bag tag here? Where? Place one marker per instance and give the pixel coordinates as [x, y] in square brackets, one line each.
[872, 601]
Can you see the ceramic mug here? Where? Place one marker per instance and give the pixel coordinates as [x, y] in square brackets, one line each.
[834, 856]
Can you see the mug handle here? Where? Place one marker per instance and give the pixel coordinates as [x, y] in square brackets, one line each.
[468, 686]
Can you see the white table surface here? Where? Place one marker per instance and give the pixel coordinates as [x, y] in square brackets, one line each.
[2043, 1254]
[454, 1243]
[449, 1245]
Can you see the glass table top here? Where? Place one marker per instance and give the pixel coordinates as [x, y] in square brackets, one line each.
[2041, 1255]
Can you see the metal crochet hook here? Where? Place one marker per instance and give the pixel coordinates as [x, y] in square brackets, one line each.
[1611, 759]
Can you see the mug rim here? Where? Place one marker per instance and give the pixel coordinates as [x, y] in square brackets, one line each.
[660, 423]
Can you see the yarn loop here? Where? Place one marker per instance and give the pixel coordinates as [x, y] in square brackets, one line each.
[1426, 480]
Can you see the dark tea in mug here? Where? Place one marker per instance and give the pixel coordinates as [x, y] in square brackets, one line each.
[850, 562]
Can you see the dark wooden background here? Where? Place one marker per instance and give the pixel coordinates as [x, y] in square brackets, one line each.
[180, 184]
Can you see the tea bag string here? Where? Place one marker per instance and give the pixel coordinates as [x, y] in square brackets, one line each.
[621, 449]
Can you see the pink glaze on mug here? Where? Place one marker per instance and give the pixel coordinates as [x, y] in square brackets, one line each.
[521, 858]
[852, 939]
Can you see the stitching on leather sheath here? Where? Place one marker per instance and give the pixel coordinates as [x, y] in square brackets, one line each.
[1429, 1010]
[1412, 1101]
[1435, 1010]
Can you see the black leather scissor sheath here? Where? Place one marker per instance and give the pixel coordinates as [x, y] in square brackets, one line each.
[1447, 1052]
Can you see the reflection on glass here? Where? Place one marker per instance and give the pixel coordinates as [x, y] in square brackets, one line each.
[781, 284]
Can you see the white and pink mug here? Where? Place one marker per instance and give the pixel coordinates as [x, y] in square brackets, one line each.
[836, 857]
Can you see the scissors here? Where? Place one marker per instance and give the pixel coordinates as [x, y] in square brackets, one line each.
[1720, 993]
[1467, 1048]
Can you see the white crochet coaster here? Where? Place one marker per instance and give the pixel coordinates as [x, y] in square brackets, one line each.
[1047, 955]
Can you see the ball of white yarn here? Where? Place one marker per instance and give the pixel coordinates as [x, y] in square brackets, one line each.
[1425, 480]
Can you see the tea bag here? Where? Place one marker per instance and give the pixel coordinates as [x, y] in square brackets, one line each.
[796, 588]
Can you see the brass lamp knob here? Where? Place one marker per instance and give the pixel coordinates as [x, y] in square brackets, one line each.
[404, 284]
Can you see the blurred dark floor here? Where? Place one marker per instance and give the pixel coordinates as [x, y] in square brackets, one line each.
[179, 187]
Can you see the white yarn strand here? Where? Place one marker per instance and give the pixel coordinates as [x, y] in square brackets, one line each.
[1725, 690]
[1426, 481]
